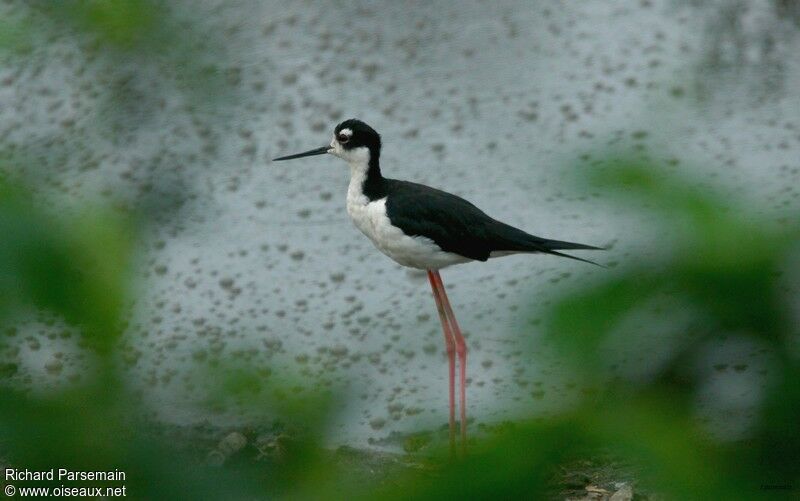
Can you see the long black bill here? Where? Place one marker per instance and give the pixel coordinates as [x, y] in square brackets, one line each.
[315, 151]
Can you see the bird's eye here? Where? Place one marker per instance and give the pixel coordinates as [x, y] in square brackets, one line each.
[343, 138]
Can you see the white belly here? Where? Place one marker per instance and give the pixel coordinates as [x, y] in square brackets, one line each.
[415, 252]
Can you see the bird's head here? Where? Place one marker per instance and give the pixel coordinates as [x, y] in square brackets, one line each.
[353, 141]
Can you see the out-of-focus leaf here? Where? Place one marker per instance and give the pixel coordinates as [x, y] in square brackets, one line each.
[519, 463]
[579, 322]
[125, 24]
[121, 22]
[661, 190]
[130, 41]
[775, 444]
[725, 263]
[82, 431]
[15, 36]
[75, 268]
[101, 247]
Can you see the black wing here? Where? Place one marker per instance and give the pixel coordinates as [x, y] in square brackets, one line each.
[458, 226]
[453, 223]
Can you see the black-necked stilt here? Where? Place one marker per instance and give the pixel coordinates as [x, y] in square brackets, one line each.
[428, 229]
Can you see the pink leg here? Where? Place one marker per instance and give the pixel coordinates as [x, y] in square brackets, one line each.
[450, 345]
[461, 350]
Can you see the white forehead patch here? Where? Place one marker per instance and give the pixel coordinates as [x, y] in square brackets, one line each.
[346, 132]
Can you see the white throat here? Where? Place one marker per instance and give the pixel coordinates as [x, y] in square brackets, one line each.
[359, 167]
[358, 160]
[358, 174]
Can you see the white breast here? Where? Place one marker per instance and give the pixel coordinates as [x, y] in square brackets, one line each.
[370, 217]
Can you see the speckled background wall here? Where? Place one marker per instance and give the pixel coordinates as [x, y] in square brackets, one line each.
[496, 101]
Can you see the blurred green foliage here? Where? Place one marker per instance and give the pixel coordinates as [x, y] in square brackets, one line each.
[75, 267]
[122, 23]
[137, 53]
[14, 37]
[143, 28]
[724, 259]
[135, 67]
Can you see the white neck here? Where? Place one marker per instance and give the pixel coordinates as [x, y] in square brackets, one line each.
[358, 160]
[358, 174]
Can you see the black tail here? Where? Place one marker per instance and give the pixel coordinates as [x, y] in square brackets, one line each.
[514, 239]
[561, 254]
[560, 245]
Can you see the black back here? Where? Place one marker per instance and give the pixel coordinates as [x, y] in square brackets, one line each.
[454, 224]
